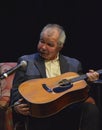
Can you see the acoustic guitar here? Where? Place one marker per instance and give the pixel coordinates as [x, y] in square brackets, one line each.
[48, 96]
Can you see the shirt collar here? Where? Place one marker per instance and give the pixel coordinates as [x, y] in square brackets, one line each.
[57, 58]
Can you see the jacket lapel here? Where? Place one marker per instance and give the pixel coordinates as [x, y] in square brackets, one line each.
[63, 64]
[39, 63]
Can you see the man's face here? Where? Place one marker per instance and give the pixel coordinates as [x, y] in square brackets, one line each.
[48, 44]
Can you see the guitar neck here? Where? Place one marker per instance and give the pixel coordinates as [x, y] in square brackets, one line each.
[84, 76]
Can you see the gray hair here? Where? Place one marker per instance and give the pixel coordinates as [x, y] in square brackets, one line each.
[62, 35]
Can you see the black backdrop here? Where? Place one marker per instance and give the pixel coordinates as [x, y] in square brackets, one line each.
[22, 21]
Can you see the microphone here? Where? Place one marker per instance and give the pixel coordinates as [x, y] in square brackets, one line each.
[9, 72]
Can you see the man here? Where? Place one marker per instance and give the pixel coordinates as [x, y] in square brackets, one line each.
[47, 63]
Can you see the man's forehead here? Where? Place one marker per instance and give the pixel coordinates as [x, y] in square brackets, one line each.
[50, 32]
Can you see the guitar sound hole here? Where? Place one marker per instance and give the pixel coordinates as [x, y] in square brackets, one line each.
[64, 82]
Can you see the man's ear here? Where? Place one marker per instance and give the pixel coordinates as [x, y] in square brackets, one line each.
[60, 48]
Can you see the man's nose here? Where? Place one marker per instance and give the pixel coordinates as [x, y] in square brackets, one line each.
[44, 46]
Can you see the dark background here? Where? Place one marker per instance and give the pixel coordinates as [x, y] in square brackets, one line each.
[22, 21]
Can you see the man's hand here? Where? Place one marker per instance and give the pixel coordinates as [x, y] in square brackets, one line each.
[92, 75]
[22, 108]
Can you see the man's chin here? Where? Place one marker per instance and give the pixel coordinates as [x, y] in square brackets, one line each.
[45, 56]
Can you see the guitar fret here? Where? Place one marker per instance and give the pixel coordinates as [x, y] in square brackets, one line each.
[82, 77]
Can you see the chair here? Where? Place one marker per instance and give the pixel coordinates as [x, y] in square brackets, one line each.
[5, 87]
[6, 113]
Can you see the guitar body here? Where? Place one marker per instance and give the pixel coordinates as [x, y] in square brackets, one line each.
[48, 96]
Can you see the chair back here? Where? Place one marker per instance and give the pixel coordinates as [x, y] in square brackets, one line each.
[5, 88]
